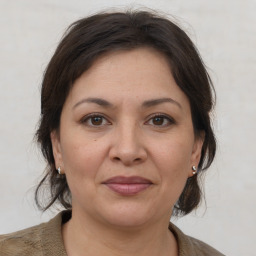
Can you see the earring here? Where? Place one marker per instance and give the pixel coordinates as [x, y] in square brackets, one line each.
[59, 170]
[194, 170]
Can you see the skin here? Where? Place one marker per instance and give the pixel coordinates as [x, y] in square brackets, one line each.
[125, 139]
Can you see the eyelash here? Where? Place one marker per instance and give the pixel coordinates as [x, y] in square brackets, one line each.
[167, 118]
[89, 117]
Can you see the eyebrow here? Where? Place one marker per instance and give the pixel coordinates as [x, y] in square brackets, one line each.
[146, 104]
[98, 101]
[154, 102]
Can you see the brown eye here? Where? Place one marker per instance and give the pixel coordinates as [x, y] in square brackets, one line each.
[158, 120]
[96, 120]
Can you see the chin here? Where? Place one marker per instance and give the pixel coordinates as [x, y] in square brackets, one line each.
[128, 216]
[128, 222]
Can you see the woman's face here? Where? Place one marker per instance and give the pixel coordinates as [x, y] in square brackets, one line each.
[126, 141]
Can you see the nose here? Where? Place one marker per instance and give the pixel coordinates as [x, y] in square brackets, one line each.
[127, 146]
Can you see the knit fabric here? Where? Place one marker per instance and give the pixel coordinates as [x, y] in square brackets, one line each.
[46, 240]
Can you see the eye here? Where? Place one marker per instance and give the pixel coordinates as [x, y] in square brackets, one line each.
[160, 120]
[95, 120]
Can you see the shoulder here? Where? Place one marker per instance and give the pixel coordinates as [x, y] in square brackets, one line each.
[202, 248]
[43, 239]
[23, 242]
[189, 246]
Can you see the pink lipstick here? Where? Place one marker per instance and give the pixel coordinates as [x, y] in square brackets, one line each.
[127, 185]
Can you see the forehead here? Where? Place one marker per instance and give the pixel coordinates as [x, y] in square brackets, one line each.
[141, 74]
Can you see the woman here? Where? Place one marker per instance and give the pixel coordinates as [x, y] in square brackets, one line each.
[126, 133]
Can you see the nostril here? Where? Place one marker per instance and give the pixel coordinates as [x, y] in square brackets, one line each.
[126, 161]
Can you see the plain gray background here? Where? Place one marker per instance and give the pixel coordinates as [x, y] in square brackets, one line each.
[225, 34]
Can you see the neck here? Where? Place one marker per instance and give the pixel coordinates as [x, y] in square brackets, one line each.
[82, 235]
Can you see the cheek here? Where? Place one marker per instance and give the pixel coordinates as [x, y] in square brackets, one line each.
[174, 155]
[82, 158]
[173, 163]
[82, 162]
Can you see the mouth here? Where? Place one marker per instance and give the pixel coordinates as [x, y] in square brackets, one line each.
[128, 186]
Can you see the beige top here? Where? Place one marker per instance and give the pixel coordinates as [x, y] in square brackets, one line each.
[46, 240]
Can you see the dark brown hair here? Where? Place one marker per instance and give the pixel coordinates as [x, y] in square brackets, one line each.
[86, 40]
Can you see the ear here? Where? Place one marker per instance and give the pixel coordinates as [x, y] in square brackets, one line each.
[56, 148]
[196, 152]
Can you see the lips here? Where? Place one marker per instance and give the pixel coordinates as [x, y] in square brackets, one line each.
[128, 185]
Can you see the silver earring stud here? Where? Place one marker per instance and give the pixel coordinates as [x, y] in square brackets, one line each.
[59, 170]
[194, 170]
